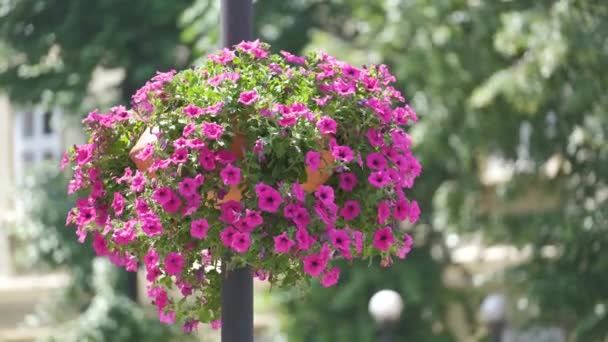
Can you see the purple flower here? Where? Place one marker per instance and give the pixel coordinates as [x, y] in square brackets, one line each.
[199, 228]
[343, 153]
[347, 181]
[269, 200]
[330, 278]
[212, 130]
[325, 194]
[383, 238]
[174, 262]
[376, 161]
[192, 111]
[282, 243]
[379, 179]
[384, 211]
[313, 159]
[241, 242]
[350, 210]
[327, 125]
[231, 175]
[248, 97]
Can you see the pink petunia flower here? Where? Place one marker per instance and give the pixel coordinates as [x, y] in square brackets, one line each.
[313, 160]
[253, 218]
[325, 194]
[383, 238]
[304, 239]
[193, 111]
[347, 181]
[358, 236]
[248, 97]
[199, 228]
[414, 212]
[314, 264]
[100, 245]
[379, 179]
[298, 192]
[231, 175]
[227, 235]
[339, 239]
[350, 210]
[384, 211]
[84, 153]
[404, 250]
[138, 182]
[212, 130]
[217, 324]
[282, 243]
[167, 317]
[173, 204]
[174, 262]
[230, 211]
[269, 200]
[376, 161]
[374, 137]
[214, 109]
[162, 194]
[301, 217]
[241, 242]
[327, 125]
[343, 153]
[206, 159]
[179, 156]
[118, 203]
[188, 130]
[125, 235]
[151, 258]
[151, 225]
[293, 58]
[188, 186]
[331, 277]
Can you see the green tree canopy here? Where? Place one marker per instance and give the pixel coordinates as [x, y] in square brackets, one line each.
[521, 83]
[54, 46]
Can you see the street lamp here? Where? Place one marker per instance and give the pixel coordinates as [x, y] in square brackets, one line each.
[386, 306]
[492, 312]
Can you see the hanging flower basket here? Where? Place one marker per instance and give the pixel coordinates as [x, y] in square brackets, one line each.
[285, 163]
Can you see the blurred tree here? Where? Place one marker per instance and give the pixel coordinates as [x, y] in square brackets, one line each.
[512, 136]
[56, 45]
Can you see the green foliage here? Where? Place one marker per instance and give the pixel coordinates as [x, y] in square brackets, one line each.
[54, 46]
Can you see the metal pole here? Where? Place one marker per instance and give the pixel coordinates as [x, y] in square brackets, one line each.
[237, 305]
[386, 334]
[496, 330]
[237, 21]
[237, 284]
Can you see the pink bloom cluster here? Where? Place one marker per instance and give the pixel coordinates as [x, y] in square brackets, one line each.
[202, 195]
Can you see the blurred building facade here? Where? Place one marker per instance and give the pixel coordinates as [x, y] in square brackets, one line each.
[29, 136]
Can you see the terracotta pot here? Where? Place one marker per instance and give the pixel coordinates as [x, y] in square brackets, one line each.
[321, 175]
[313, 179]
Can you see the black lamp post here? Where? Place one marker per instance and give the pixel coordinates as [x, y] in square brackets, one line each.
[386, 307]
[237, 284]
[492, 312]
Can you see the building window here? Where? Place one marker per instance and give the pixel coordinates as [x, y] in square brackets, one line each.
[28, 159]
[28, 125]
[47, 121]
[48, 156]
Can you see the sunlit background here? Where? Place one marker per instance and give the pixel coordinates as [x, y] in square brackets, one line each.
[512, 97]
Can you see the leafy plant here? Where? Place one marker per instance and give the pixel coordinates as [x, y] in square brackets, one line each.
[285, 162]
